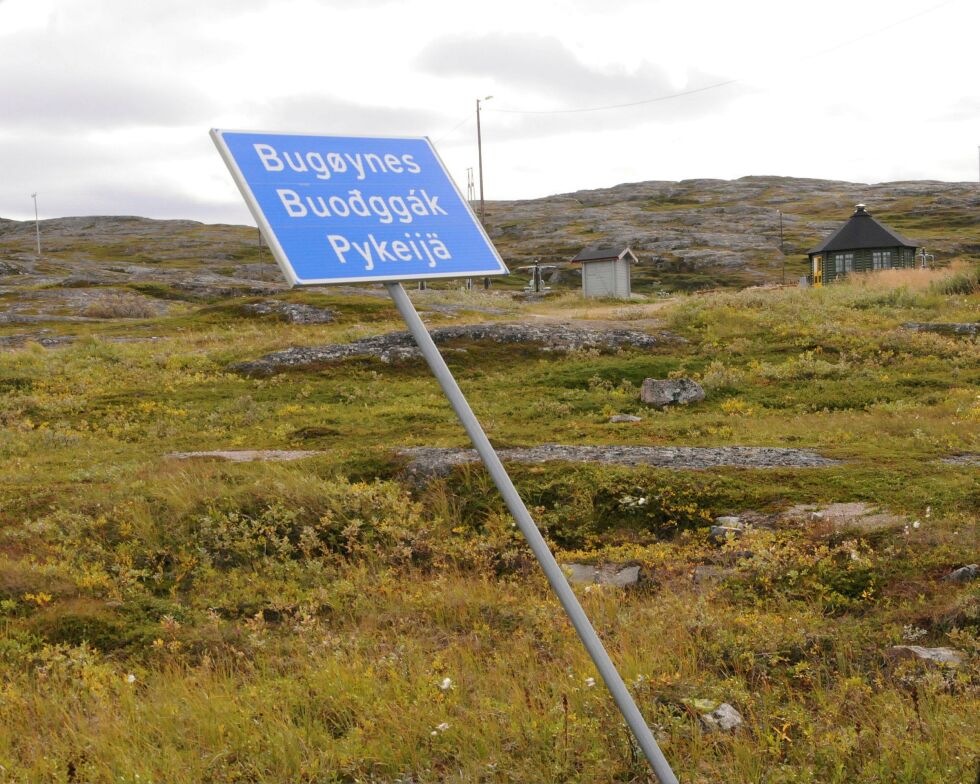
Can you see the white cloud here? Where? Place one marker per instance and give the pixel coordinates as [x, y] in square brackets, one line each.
[106, 103]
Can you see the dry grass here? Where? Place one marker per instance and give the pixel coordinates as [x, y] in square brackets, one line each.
[911, 279]
[121, 305]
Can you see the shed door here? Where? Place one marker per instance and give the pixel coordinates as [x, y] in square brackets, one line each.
[623, 278]
[818, 270]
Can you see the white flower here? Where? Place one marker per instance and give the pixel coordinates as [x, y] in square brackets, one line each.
[446, 684]
[928, 511]
[130, 678]
[915, 524]
[590, 682]
[440, 728]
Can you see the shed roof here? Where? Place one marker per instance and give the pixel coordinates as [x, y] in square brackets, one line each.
[604, 253]
[860, 232]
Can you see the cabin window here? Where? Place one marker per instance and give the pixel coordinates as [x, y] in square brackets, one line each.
[845, 262]
[881, 259]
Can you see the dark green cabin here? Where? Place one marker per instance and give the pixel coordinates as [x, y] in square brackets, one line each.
[860, 245]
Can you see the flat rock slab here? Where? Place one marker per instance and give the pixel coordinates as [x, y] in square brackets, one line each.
[617, 575]
[621, 418]
[434, 461]
[247, 455]
[707, 574]
[970, 459]
[947, 328]
[841, 516]
[42, 337]
[396, 346]
[949, 657]
[290, 312]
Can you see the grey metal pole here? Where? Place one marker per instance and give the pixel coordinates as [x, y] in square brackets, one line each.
[37, 224]
[479, 155]
[781, 250]
[553, 572]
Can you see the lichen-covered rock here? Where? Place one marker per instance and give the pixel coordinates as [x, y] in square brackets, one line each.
[621, 418]
[670, 392]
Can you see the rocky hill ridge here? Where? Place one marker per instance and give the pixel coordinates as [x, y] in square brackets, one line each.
[687, 234]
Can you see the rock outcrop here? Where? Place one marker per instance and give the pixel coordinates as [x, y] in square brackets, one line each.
[945, 328]
[432, 461]
[290, 312]
[397, 346]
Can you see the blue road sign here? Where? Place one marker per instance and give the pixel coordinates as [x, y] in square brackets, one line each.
[346, 209]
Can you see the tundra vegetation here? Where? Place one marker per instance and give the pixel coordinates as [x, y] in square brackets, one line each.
[324, 620]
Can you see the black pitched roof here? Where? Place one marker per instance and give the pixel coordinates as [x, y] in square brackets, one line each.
[862, 231]
[599, 252]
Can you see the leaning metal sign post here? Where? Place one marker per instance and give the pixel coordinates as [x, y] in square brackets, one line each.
[344, 209]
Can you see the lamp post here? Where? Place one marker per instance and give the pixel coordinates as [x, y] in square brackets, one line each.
[479, 153]
[37, 225]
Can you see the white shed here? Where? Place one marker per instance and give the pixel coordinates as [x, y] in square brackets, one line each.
[606, 271]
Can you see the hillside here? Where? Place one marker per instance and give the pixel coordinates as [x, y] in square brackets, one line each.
[689, 234]
[720, 232]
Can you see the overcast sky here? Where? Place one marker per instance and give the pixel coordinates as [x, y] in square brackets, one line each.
[105, 105]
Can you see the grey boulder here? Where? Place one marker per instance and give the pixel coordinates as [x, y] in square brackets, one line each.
[663, 392]
[964, 574]
[724, 718]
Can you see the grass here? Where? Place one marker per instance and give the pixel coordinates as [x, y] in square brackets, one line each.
[199, 621]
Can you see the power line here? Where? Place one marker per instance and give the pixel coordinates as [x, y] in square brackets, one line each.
[617, 105]
[725, 83]
[458, 125]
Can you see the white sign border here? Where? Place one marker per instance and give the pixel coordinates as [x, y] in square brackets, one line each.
[280, 255]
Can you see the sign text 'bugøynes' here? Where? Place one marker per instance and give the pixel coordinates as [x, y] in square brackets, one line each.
[339, 209]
